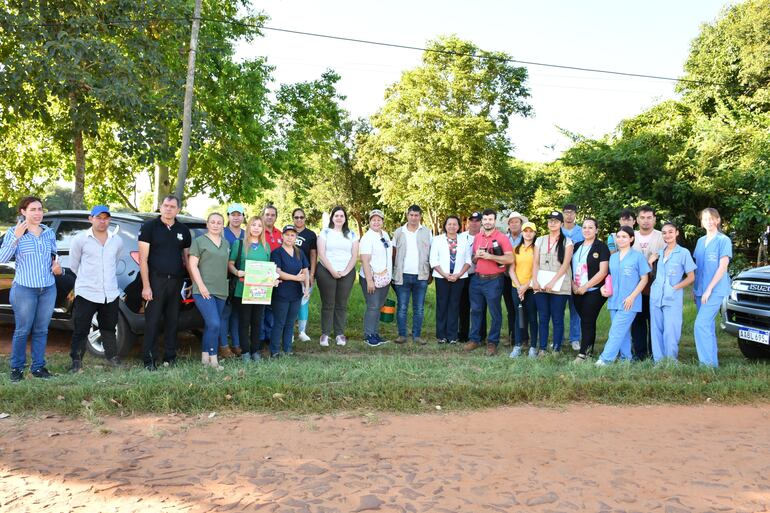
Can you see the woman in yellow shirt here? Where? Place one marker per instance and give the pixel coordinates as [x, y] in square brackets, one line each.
[523, 295]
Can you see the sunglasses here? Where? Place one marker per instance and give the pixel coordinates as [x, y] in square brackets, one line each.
[385, 243]
[299, 217]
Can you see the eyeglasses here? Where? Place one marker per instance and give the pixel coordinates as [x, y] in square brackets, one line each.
[385, 243]
[299, 217]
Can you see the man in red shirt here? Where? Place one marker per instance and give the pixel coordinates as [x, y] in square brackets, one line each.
[272, 234]
[492, 251]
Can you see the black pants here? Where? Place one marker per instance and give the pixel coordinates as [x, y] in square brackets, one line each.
[640, 331]
[465, 314]
[249, 325]
[83, 312]
[588, 307]
[164, 305]
[510, 308]
[447, 306]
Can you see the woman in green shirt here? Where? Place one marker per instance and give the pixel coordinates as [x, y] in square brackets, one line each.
[253, 247]
[208, 270]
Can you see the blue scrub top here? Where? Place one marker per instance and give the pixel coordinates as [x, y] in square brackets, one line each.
[626, 275]
[668, 274]
[576, 233]
[707, 258]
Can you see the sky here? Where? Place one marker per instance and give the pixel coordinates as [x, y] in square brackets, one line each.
[651, 37]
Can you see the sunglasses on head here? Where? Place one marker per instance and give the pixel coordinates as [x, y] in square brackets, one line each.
[384, 242]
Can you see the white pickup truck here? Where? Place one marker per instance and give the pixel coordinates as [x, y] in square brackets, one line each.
[746, 312]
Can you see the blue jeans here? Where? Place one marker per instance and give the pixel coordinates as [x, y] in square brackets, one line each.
[267, 324]
[32, 310]
[415, 288]
[284, 316]
[530, 318]
[550, 308]
[229, 326]
[574, 321]
[211, 311]
[486, 294]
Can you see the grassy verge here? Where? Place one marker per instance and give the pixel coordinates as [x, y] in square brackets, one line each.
[388, 378]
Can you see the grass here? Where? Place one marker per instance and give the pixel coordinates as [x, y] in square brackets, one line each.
[387, 378]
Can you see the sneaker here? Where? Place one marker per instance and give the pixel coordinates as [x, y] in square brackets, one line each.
[246, 357]
[115, 362]
[372, 340]
[76, 367]
[452, 342]
[150, 367]
[380, 339]
[542, 353]
[275, 356]
[289, 354]
[470, 346]
[579, 358]
[256, 356]
[42, 373]
[442, 341]
[324, 340]
[575, 345]
[341, 340]
[303, 337]
[600, 363]
[419, 341]
[532, 352]
[491, 349]
[516, 352]
[400, 340]
[17, 375]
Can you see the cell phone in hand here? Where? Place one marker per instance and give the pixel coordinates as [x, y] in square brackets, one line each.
[20, 219]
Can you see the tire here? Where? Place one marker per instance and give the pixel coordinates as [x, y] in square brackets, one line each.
[126, 339]
[754, 351]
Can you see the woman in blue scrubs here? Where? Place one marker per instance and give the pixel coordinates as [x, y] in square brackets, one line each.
[712, 283]
[628, 271]
[674, 262]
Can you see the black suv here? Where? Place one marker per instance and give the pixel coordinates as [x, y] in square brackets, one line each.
[67, 224]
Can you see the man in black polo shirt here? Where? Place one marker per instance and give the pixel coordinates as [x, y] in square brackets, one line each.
[163, 249]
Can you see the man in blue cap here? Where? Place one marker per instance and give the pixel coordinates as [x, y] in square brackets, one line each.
[96, 251]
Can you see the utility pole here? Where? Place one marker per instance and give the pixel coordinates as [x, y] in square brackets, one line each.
[188, 99]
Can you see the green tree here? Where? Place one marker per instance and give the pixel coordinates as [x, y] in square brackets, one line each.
[440, 139]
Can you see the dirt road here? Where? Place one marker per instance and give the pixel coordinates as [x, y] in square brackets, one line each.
[583, 458]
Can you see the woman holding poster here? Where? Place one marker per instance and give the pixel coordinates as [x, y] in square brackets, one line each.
[293, 271]
[253, 248]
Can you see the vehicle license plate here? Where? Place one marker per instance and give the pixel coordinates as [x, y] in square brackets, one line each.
[755, 335]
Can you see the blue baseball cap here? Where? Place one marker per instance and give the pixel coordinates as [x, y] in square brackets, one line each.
[236, 207]
[100, 209]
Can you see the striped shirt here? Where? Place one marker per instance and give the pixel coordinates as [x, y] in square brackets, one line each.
[33, 256]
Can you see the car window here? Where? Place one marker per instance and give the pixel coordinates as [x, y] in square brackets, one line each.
[67, 230]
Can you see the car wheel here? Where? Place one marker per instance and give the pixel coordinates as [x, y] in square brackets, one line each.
[125, 338]
[754, 351]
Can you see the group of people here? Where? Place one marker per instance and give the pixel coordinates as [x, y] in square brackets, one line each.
[640, 275]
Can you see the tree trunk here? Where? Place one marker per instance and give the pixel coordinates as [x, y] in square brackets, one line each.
[78, 194]
[188, 99]
[162, 184]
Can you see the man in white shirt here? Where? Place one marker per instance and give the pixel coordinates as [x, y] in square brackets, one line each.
[648, 241]
[94, 255]
[411, 273]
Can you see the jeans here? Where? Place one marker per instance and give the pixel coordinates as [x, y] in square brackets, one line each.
[486, 293]
[165, 304]
[588, 306]
[465, 314]
[704, 330]
[83, 312]
[529, 310]
[415, 288]
[334, 300]
[211, 311]
[230, 325]
[374, 302]
[250, 319]
[574, 321]
[640, 332]
[284, 314]
[447, 307]
[510, 308]
[266, 330]
[619, 337]
[550, 308]
[32, 310]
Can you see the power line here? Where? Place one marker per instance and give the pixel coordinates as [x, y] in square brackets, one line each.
[403, 47]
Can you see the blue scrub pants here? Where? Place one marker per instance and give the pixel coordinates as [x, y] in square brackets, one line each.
[619, 337]
[550, 308]
[705, 330]
[574, 321]
[665, 331]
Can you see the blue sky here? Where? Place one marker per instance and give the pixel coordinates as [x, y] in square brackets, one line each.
[651, 37]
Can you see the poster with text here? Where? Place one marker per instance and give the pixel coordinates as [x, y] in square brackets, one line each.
[258, 282]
